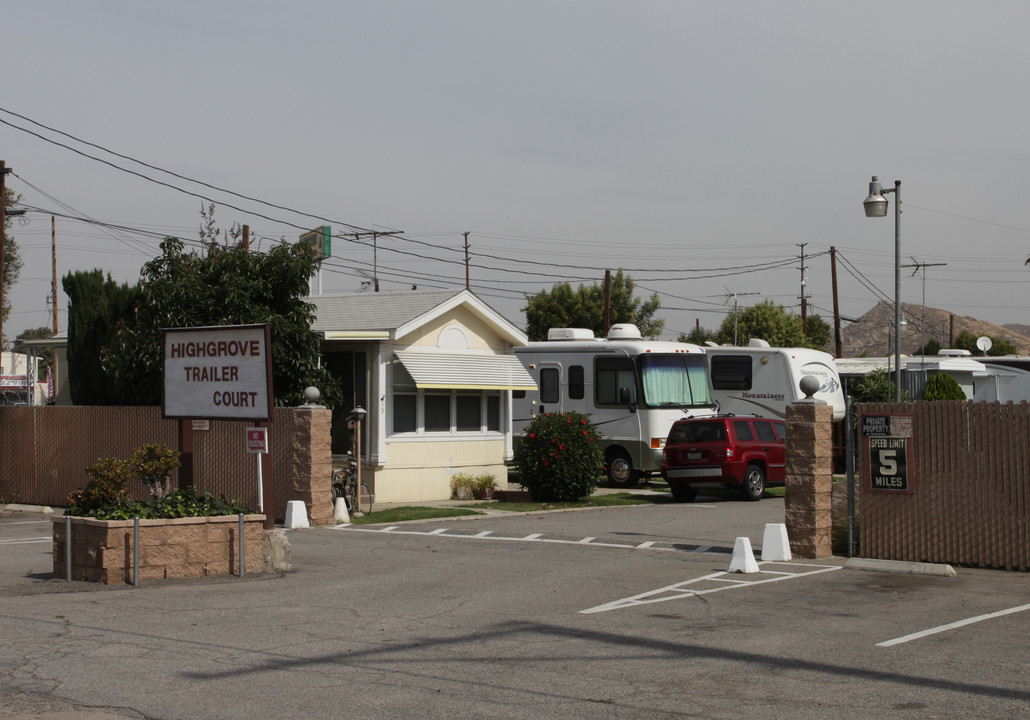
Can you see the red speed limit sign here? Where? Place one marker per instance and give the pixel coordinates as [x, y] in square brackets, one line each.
[887, 442]
[257, 440]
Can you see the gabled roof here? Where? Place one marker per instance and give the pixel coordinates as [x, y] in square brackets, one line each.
[390, 315]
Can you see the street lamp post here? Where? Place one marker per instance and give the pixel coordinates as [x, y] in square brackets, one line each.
[358, 414]
[876, 206]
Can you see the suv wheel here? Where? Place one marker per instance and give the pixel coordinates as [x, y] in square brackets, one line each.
[683, 493]
[754, 483]
[619, 469]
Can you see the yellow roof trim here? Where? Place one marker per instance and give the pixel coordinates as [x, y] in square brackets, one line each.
[358, 335]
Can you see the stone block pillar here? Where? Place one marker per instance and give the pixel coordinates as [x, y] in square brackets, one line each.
[808, 498]
[311, 447]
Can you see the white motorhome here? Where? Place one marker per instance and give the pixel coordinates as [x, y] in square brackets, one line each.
[1004, 378]
[763, 380]
[632, 390]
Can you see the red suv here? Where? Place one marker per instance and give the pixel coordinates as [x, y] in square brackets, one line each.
[745, 453]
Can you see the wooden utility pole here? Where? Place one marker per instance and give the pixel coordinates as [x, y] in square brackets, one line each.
[53, 269]
[607, 301]
[804, 298]
[836, 307]
[246, 238]
[3, 231]
[467, 287]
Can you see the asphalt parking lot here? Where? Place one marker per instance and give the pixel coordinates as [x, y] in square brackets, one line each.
[607, 613]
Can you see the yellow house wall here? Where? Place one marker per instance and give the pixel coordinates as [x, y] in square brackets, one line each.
[481, 336]
[421, 470]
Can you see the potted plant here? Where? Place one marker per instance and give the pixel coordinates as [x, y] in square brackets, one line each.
[463, 486]
[485, 486]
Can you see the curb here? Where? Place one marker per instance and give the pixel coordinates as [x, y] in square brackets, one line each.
[18, 507]
[902, 567]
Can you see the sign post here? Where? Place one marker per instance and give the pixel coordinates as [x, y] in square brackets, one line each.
[257, 442]
[887, 444]
[218, 373]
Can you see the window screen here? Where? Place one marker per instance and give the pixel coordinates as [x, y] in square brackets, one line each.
[610, 374]
[549, 388]
[576, 382]
[438, 413]
[404, 418]
[731, 372]
[470, 412]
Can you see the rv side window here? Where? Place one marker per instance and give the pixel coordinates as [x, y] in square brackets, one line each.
[731, 372]
[549, 389]
[610, 374]
[576, 382]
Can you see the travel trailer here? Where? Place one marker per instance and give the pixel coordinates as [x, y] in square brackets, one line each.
[1004, 378]
[763, 380]
[632, 390]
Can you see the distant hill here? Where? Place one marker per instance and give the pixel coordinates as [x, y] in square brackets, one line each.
[869, 334]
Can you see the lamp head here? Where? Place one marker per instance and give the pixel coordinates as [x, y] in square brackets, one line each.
[876, 204]
[359, 413]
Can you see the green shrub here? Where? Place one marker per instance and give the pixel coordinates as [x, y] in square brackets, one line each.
[560, 457]
[153, 464]
[943, 387]
[106, 495]
[107, 487]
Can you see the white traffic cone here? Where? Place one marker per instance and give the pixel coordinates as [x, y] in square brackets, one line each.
[340, 514]
[743, 558]
[775, 545]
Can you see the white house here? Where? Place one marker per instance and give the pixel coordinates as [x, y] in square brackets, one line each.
[435, 371]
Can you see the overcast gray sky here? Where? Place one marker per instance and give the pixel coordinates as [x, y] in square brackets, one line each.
[695, 144]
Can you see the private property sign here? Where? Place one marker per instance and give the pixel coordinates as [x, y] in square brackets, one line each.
[888, 448]
[218, 372]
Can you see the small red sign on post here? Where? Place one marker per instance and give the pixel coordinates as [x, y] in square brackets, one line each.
[257, 440]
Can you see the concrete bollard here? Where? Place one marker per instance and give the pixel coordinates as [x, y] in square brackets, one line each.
[296, 515]
[340, 514]
[775, 544]
[743, 558]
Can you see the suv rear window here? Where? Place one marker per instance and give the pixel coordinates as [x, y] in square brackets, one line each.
[765, 431]
[694, 432]
[743, 430]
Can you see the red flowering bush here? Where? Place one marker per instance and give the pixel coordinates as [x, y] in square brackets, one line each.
[560, 457]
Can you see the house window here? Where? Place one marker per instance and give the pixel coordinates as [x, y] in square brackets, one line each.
[438, 412]
[493, 411]
[405, 408]
[470, 413]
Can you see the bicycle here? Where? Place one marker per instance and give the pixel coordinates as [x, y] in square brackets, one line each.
[344, 485]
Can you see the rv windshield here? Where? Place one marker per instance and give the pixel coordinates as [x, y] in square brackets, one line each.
[675, 380]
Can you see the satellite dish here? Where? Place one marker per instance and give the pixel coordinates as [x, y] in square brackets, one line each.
[984, 343]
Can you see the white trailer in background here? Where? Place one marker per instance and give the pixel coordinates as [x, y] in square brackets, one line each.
[763, 380]
[1004, 378]
[632, 390]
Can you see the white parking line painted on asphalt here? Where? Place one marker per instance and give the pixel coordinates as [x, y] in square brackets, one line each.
[730, 581]
[27, 541]
[951, 626]
[533, 536]
[588, 540]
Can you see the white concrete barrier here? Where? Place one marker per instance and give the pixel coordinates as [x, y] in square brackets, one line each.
[296, 515]
[743, 557]
[340, 514]
[775, 544]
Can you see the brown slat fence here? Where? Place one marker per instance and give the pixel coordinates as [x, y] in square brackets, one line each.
[44, 450]
[971, 474]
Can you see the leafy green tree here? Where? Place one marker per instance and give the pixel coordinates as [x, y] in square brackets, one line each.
[817, 332]
[932, 347]
[223, 285]
[96, 308]
[584, 308]
[874, 387]
[765, 320]
[943, 387]
[697, 336]
[12, 257]
[967, 341]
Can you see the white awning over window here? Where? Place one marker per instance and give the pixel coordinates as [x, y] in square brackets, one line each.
[469, 371]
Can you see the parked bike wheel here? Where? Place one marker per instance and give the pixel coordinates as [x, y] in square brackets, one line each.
[366, 499]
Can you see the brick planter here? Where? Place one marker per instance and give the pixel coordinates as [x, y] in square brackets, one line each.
[179, 548]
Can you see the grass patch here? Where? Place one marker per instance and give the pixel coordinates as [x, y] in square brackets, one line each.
[400, 514]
